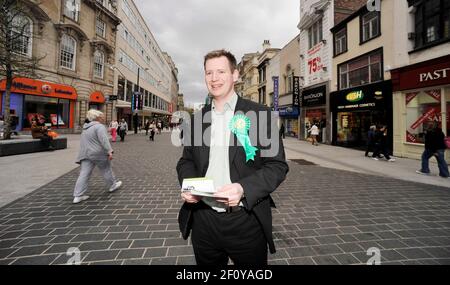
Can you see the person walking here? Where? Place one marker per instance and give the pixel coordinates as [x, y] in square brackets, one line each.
[370, 139]
[314, 130]
[147, 126]
[381, 144]
[282, 130]
[434, 146]
[236, 223]
[113, 129]
[123, 129]
[152, 131]
[95, 150]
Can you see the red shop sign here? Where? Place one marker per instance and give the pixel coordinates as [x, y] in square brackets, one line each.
[434, 72]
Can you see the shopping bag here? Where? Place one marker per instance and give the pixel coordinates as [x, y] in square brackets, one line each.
[52, 134]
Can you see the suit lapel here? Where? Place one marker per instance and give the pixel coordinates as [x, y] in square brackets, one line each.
[206, 140]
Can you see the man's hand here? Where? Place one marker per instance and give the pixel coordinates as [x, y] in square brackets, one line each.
[230, 194]
[189, 198]
[110, 155]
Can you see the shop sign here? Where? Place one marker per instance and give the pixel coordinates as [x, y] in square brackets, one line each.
[430, 73]
[296, 93]
[314, 97]
[314, 63]
[434, 75]
[289, 111]
[275, 93]
[30, 86]
[355, 96]
[373, 96]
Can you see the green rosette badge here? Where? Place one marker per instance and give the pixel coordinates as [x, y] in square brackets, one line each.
[240, 125]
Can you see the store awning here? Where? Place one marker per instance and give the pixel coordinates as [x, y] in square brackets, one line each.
[97, 97]
[30, 86]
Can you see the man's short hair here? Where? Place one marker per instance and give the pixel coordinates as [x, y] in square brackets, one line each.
[219, 53]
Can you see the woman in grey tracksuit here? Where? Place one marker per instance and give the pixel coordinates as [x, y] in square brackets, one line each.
[95, 150]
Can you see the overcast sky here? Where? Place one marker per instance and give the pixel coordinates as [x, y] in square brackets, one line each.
[188, 29]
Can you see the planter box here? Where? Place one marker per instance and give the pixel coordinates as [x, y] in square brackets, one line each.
[22, 146]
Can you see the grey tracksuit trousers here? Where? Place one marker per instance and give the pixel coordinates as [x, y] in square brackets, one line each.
[87, 166]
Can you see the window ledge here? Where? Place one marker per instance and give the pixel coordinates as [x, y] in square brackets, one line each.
[67, 72]
[338, 54]
[430, 45]
[368, 40]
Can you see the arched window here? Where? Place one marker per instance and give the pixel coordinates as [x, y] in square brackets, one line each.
[22, 35]
[68, 52]
[99, 63]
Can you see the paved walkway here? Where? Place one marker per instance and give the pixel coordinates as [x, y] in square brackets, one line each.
[324, 215]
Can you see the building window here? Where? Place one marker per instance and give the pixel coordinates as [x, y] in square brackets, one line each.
[315, 34]
[370, 26]
[100, 28]
[363, 70]
[53, 111]
[340, 42]
[121, 88]
[423, 111]
[432, 22]
[99, 64]
[22, 35]
[68, 52]
[72, 9]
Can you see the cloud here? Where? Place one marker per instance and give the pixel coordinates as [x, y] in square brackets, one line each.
[189, 29]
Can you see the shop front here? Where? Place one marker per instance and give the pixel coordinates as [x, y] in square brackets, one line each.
[355, 110]
[50, 103]
[96, 101]
[289, 117]
[422, 96]
[314, 102]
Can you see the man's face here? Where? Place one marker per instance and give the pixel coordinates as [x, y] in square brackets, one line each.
[219, 78]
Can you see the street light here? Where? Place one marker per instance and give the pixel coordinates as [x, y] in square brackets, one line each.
[136, 115]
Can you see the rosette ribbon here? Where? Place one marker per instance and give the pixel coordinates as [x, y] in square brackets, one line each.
[240, 126]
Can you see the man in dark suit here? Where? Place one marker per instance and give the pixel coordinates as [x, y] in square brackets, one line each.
[235, 143]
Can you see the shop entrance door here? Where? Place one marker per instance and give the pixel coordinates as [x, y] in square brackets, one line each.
[354, 126]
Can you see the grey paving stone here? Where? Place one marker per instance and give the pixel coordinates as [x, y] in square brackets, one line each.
[164, 261]
[95, 245]
[301, 261]
[147, 243]
[30, 251]
[327, 249]
[304, 251]
[121, 244]
[180, 251]
[186, 260]
[346, 259]
[131, 253]
[414, 253]
[103, 255]
[139, 261]
[325, 260]
[35, 260]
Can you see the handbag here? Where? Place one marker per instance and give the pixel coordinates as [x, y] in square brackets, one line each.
[447, 142]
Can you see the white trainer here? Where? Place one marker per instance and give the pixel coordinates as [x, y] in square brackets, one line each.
[116, 186]
[392, 160]
[77, 200]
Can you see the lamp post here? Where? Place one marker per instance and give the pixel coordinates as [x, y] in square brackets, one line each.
[136, 110]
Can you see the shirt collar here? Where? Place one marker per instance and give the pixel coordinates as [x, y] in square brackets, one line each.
[230, 105]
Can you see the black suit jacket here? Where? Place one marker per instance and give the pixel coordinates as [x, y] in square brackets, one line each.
[258, 178]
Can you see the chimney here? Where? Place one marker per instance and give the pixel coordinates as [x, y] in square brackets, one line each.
[266, 45]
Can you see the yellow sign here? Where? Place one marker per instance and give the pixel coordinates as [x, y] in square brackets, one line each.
[355, 96]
